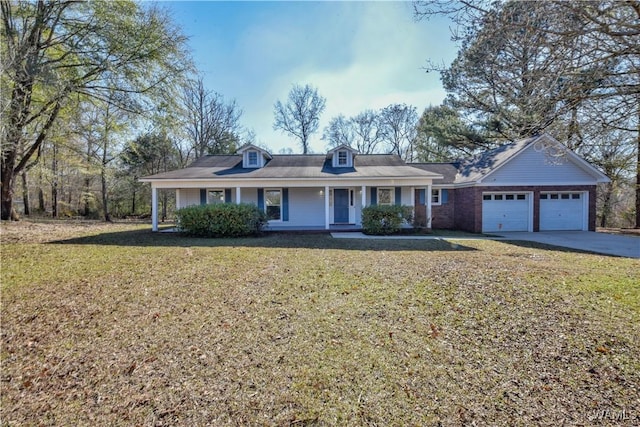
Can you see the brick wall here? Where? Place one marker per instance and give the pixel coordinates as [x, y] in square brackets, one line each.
[467, 209]
[468, 204]
[442, 216]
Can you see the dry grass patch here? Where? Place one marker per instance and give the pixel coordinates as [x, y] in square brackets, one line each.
[114, 325]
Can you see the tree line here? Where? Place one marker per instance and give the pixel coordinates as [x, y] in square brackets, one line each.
[97, 94]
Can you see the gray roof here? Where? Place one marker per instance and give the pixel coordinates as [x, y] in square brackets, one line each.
[295, 167]
[447, 170]
[475, 168]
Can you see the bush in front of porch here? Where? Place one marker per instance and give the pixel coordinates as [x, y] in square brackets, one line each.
[385, 219]
[221, 220]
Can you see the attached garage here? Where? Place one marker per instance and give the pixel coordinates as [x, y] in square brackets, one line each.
[563, 211]
[506, 212]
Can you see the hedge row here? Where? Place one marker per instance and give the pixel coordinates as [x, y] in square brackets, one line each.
[383, 219]
[221, 220]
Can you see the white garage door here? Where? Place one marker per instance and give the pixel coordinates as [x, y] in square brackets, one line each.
[506, 212]
[562, 211]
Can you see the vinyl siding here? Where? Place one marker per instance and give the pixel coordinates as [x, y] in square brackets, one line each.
[532, 167]
[189, 197]
[306, 207]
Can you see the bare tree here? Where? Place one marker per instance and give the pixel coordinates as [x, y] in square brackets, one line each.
[211, 124]
[399, 122]
[362, 132]
[339, 131]
[300, 116]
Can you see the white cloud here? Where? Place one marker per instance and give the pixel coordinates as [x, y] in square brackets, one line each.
[386, 50]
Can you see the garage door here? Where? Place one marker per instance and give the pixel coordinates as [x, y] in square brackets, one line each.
[506, 212]
[562, 211]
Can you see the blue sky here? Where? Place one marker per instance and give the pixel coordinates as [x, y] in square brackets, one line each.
[358, 54]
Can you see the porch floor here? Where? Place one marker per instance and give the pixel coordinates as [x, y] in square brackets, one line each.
[319, 228]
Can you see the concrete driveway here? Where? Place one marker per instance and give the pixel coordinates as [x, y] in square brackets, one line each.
[602, 243]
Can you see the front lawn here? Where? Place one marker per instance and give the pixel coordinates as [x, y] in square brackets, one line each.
[115, 325]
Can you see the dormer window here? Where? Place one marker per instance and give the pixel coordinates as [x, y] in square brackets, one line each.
[342, 158]
[252, 158]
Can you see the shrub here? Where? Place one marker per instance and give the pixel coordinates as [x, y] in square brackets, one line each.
[221, 220]
[382, 219]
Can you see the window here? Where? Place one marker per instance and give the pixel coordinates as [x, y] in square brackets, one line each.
[554, 196]
[252, 158]
[509, 197]
[436, 196]
[351, 198]
[385, 196]
[215, 197]
[543, 197]
[575, 196]
[273, 204]
[342, 158]
[497, 197]
[565, 196]
[522, 197]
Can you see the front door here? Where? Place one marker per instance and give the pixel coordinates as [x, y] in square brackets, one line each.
[420, 208]
[340, 206]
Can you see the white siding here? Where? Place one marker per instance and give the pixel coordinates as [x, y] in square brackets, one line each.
[306, 207]
[249, 195]
[534, 167]
[189, 196]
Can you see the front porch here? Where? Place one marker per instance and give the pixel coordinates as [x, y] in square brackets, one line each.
[307, 208]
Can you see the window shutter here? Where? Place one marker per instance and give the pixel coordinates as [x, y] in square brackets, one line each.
[398, 196]
[374, 196]
[445, 196]
[261, 198]
[203, 196]
[227, 195]
[285, 204]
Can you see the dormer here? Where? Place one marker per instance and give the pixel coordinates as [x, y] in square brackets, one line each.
[253, 157]
[342, 156]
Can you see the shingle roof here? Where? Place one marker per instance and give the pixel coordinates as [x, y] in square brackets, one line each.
[447, 170]
[475, 168]
[295, 167]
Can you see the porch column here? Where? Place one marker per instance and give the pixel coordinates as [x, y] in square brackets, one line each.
[238, 196]
[427, 197]
[154, 208]
[413, 197]
[178, 198]
[364, 196]
[326, 207]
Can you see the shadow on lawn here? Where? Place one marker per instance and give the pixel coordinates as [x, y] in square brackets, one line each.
[146, 238]
[547, 247]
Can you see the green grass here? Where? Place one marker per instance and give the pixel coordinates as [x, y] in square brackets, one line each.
[115, 325]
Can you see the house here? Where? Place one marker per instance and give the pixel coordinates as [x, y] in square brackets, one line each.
[535, 184]
[531, 185]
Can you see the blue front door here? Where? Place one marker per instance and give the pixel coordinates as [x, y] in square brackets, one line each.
[340, 206]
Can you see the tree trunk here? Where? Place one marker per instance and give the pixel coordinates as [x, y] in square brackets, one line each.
[7, 192]
[133, 201]
[638, 183]
[606, 204]
[54, 183]
[25, 193]
[54, 198]
[164, 205]
[638, 170]
[41, 205]
[105, 197]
